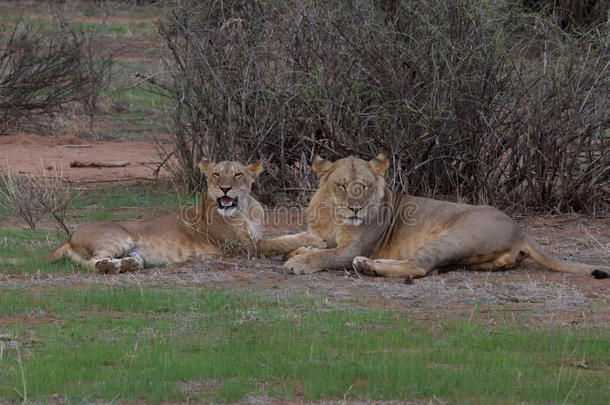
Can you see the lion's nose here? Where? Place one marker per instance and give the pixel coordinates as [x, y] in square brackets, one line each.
[355, 209]
[226, 189]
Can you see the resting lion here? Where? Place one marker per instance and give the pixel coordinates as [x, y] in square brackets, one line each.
[382, 233]
[227, 214]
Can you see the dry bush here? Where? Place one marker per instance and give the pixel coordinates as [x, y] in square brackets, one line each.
[470, 98]
[43, 72]
[97, 69]
[31, 197]
[220, 78]
[21, 196]
[572, 14]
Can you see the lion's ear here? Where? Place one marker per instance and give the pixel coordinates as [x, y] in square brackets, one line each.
[206, 166]
[320, 165]
[379, 164]
[255, 168]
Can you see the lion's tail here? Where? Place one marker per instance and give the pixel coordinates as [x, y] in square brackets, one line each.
[58, 253]
[65, 251]
[536, 252]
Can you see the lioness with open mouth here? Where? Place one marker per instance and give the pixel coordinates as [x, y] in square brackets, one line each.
[227, 214]
[382, 233]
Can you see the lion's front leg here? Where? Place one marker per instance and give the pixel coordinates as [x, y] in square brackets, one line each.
[300, 251]
[320, 259]
[288, 243]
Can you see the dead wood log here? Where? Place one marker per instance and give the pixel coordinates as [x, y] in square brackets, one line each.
[78, 163]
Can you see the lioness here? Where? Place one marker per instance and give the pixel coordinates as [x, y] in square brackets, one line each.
[382, 233]
[227, 214]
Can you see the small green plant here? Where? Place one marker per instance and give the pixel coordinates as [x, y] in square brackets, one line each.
[232, 248]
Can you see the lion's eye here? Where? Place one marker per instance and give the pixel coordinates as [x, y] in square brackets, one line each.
[238, 175]
[216, 175]
[341, 186]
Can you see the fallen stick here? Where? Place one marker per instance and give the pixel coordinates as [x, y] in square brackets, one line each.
[77, 146]
[112, 180]
[78, 163]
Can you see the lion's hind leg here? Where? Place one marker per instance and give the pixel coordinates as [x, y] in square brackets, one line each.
[106, 265]
[388, 267]
[450, 250]
[78, 254]
[115, 257]
[499, 262]
[118, 259]
[132, 262]
[420, 265]
[432, 255]
[107, 247]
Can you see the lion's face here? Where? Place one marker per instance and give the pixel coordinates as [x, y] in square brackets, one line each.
[229, 183]
[355, 187]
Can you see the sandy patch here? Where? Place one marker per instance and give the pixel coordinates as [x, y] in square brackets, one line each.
[28, 153]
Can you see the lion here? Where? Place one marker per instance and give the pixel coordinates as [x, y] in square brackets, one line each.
[381, 233]
[227, 213]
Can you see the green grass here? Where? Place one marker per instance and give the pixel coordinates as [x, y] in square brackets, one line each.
[139, 99]
[93, 9]
[122, 29]
[123, 72]
[131, 196]
[5, 211]
[100, 344]
[137, 113]
[124, 10]
[22, 251]
[46, 24]
[137, 110]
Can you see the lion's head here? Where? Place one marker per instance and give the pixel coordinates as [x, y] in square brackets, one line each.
[354, 187]
[229, 183]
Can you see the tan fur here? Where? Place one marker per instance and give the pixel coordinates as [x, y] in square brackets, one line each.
[381, 233]
[119, 246]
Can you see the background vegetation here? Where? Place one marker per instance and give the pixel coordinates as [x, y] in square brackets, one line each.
[502, 102]
[43, 71]
[488, 101]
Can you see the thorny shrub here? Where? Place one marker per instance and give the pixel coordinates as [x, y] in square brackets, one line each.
[31, 197]
[470, 98]
[44, 70]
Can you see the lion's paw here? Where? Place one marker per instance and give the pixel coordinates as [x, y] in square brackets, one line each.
[111, 266]
[313, 240]
[300, 264]
[298, 251]
[130, 265]
[364, 265]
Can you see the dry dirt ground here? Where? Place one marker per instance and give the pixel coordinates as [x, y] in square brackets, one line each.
[29, 153]
[529, 294]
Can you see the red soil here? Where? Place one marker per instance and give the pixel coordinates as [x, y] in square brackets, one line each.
[28, 153]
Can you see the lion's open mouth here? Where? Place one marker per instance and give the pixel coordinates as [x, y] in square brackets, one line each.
[226, 202]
